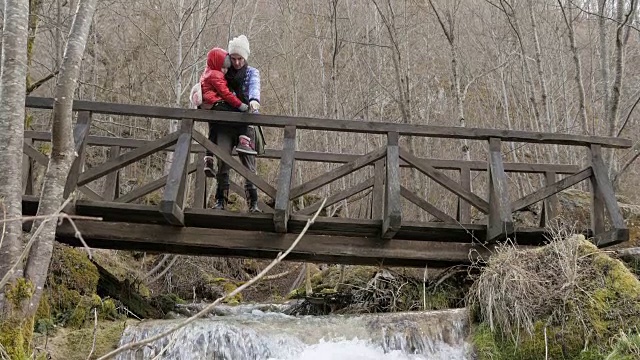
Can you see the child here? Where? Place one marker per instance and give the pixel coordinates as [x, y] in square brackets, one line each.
[217, 96]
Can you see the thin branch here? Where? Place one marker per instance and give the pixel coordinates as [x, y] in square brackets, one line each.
[210, 307]
[604, 17]
[173, 261]
[636, 150]
[158, 266]
[626, 120]
[40, 82]
[27, 248]
[4, 223]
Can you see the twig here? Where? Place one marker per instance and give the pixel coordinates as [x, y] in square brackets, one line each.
[424, 288]
[4, 224]
[282, 274]
[173, 261]
[58, 214]
[27, 248]
[128, 312]
[209, 307]
[78, 235]
[95, 332]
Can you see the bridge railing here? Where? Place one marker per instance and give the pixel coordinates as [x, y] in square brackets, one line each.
[385, 184]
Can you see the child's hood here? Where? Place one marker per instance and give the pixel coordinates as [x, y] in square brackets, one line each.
[216, 59]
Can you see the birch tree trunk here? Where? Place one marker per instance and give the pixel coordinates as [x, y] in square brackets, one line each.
[62, 153]
[13, 72]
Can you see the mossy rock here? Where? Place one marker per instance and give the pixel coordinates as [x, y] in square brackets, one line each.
[70, 291]
[166, 302]
[215, 287]
[577, 324]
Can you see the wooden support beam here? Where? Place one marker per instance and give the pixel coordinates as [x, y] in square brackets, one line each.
[127, 158]
[282, 205]
[551, 189]
[463, 213]
[239, 243]
[611, 237]
[27, 169]
[426, 206]
[604, 194]
[171, 205]
[36, 155]
[500, 220]
[112, 182]
[377, 197]
[200, 194]
[90, 194]
[550, 204]
[149, 187]
[392, 218]
[446, 181]
[448, 132]
[43, 160]
[335, 174]
[335, 198]
[80, 133]
[235, 164]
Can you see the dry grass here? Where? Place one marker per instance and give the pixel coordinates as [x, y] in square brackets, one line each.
[518, 288]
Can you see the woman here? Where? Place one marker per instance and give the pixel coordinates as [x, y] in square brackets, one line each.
[244, 81]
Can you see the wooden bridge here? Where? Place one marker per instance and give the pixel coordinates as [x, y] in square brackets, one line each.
[383, 238]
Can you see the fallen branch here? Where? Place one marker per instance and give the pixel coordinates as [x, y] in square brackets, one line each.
[210, 307]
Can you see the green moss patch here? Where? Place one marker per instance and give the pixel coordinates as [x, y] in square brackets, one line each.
[75, 344]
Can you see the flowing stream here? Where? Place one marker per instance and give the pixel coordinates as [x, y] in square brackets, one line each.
[247, 332]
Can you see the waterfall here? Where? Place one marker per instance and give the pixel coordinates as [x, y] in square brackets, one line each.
[249, 333]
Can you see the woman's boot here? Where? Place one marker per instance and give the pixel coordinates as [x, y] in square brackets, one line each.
[252, 199]
[221, 199]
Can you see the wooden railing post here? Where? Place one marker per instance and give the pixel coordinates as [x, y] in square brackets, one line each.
[287, 162]
[500, 220]
[80, 133]
[200, 195]
[550, 204]
[377, 199]
[173, 197]
[392, 219]
[604, 197]
[463, 214]
[112, 183]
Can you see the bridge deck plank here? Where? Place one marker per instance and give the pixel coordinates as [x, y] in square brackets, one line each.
[263, 223]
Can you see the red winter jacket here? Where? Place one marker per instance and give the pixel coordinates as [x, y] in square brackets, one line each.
[214, 85]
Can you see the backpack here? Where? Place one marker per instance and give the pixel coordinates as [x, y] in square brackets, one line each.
[195, 97]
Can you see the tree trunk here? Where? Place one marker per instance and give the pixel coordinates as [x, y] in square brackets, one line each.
[582, 109]
[62, 153]
[13, 72]
[604, 59]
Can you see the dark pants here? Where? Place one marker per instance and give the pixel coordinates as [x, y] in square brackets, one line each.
[226, 137]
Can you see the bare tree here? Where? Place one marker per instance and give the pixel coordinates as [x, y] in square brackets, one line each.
[582, 109]
[62, 154]
[13, 71]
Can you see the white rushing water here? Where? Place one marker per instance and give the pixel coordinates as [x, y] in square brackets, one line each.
[246, 333]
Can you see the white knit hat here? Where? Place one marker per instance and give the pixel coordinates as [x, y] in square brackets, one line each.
[240, 45]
